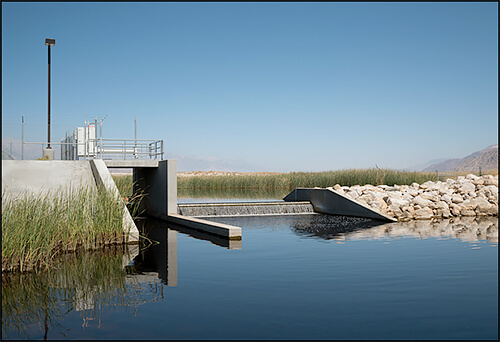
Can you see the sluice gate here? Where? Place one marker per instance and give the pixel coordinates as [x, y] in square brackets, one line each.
[245, 209]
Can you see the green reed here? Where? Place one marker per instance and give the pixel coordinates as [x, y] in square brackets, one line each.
[292, 180]
[36, 228]
[125, 184]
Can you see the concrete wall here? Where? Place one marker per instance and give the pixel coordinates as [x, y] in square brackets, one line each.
[103, 179]
[159, 188]
[42, 176]
[39, 177]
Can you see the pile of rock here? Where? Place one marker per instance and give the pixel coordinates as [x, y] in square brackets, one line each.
[467, 196]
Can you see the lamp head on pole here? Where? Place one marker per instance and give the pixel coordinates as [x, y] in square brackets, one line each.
[50, 42]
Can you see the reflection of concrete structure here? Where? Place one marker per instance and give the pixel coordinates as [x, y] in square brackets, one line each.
[159, 258]
[198, 234]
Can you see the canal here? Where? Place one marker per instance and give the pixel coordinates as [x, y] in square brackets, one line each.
[308, 276]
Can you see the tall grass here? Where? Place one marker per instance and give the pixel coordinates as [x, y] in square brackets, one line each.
[35, 228]
[125, 185]
[290, 181]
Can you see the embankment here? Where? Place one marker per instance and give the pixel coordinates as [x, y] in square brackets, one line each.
[466, 196]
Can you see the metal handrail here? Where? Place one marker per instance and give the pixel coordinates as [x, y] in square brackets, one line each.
[113, 148]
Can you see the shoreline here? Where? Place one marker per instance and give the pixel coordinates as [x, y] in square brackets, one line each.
[469, 196]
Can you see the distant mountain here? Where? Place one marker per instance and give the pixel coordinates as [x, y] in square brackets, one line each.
[487, 159]
[420, 167]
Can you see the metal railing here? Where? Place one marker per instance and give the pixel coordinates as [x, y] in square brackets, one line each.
[129, 149]
[108, 149]
[87, 143]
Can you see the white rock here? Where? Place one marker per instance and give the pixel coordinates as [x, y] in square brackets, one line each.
[397, 202]
[431, 196]
[423, 214]
[447, 198]
[468, 187]
[426, 185]
[422, 202]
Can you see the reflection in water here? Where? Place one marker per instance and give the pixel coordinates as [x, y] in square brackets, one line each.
[330, 227]
[467, 229]
[88, 281]
[85, 282]
[347, 228]
[38, 305]
[81, 281]
[153, 228]
[160, 259]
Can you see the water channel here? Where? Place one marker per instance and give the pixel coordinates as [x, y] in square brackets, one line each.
[308, 276]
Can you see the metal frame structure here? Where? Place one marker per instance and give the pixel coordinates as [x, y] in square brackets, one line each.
[85, 143]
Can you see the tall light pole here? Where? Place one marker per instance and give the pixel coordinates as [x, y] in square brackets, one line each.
[49, 43]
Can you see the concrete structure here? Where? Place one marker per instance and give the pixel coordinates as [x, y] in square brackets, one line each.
[245, 209]
[48, 153]
[225, 230]
[134, 163]
[328, 201]
[155, 180]
[24, 177]
[103, 179]
[159, 188]
[43, 176]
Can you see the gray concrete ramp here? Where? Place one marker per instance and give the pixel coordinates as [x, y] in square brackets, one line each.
[103, 179]
[328, 201]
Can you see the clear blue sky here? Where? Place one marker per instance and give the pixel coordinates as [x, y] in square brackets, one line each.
[262, 86]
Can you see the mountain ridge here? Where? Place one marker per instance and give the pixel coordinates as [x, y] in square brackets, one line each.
[486, 159]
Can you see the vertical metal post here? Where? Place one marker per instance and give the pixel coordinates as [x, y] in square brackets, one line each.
[437, 175]
[135, 138]
[48, 125]
[22, 138]
[100, 138]
[480, 172]
[94, 150]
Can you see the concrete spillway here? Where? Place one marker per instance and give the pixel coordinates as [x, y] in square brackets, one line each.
[245, 209]
[329, 201]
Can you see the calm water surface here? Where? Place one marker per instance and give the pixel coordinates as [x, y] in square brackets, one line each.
[290, 277]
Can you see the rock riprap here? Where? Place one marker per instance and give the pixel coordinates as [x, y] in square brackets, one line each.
[466, 196]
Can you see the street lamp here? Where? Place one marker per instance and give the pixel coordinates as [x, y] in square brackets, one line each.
[49, 42]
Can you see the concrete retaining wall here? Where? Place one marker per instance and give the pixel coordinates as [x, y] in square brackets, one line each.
[43, 176]
[24, 177]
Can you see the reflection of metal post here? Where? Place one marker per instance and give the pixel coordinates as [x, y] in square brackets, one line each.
[171, 257]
